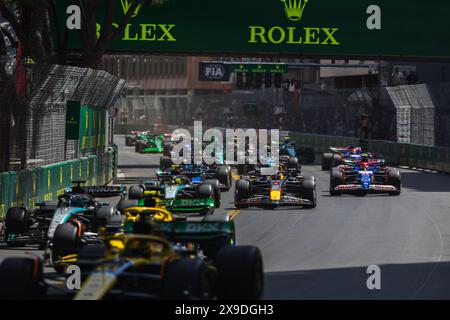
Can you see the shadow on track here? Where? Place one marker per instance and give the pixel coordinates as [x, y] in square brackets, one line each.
[399, 281]
[426, 182]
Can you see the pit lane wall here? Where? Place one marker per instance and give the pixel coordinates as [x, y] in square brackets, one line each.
[396, 154]
[27, 187]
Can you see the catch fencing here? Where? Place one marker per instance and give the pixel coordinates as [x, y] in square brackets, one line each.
[33, 112]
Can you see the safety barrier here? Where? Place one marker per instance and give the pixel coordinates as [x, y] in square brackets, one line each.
[27, 187]
[396, 154]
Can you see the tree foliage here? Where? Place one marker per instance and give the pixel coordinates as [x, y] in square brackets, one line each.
[32, 21]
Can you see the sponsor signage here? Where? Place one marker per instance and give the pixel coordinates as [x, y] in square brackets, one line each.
[73, 120]
[212, 71]
[401, 28]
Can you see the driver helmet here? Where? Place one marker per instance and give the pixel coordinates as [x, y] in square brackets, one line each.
[364, 165]
[279, 176]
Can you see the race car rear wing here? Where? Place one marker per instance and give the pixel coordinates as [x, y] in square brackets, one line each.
[98, 191]
[196, 231]
[105, 191]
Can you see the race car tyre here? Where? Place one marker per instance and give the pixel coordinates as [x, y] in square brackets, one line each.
[103, 214]
[188, 279]
[127, 141]
[124, 204]
[394, 178]
[22, 279]
[224, 176]
[240, 273]
[165, 163]
[292, 163]
[136, 193]
[326, 161]
[309, 191]
[216, 188]
[67, 236]
[336, 161]
[242, 192]
[205, 190]
[336, 178]
[88, 255]
[16, 221]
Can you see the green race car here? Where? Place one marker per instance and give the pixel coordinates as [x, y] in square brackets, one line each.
[179, 195]
[150, 143]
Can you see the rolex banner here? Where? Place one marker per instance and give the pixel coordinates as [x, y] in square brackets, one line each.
[412, 28]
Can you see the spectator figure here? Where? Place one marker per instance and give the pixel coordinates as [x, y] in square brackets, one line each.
[398, 78]
[412, 78]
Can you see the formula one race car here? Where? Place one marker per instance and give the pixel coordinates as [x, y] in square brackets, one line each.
[150, 143]
[130, 139]
[366, 176]
[25, 227]
[156, 260]
[180, 195]
[78, 212]
[270, 187]
[198, 173]
[335, 158]
[36, 227]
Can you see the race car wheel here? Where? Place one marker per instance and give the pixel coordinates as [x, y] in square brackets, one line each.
[242, 192]
[123, 204]
[165, 163]
[216, 188]
[127, 141]
[309, 191]
[394, 178]
[292, 163]
[205, 190]
[336, 178]
[326, 161]
[240, 273]
[16, 221]
[187, 278]
[224, 176]
[103, 214]
[136, 193]
[22, 279]
[67, 236]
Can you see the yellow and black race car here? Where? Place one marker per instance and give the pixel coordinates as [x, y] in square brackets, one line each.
[154, 261]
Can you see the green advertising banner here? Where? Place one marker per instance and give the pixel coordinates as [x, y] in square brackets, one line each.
[401, 28]
[73, 120]
[92, 128]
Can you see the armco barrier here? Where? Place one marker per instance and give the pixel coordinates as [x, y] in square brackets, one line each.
[26, 188]
[398, 154]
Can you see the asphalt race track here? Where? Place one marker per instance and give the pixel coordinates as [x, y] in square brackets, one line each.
[324, 253]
